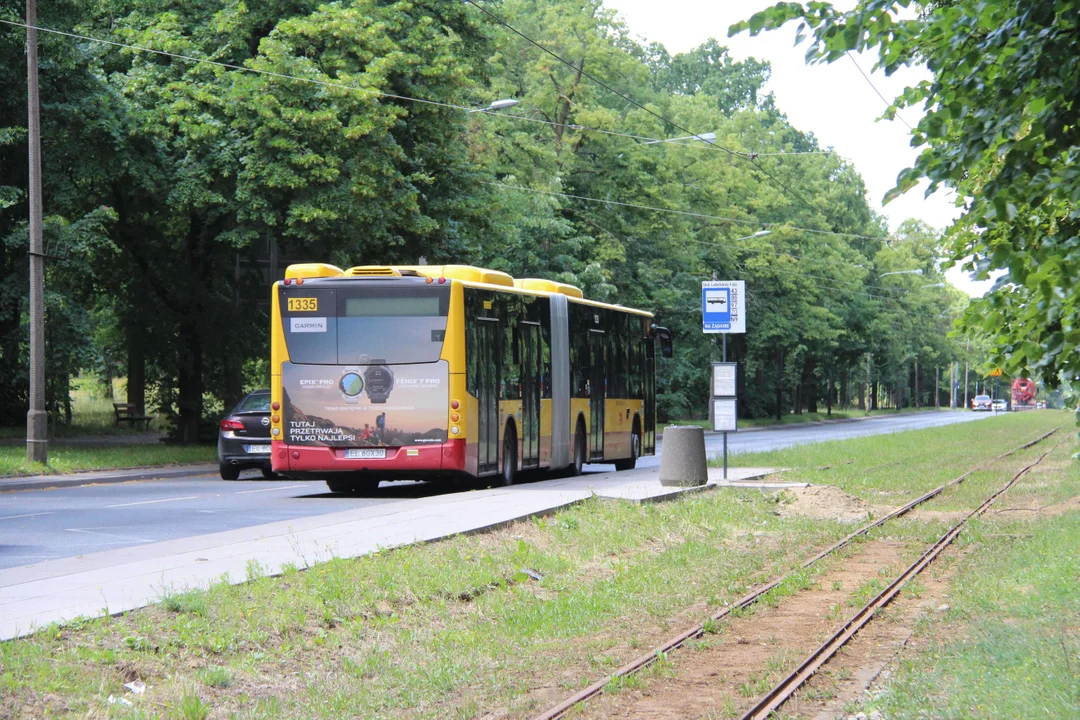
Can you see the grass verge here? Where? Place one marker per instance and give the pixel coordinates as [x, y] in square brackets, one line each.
[809, 417]
[463, 626]
[67, 459]
[1009, 646]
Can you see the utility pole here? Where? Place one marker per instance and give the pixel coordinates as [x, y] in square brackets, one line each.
[967, 405]
[37, 449]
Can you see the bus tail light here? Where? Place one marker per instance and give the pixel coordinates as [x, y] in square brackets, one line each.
[454, 404]
[454, 417]
[288, 281]
[275, 406]
[428, 280]
[442, 280]
[231, 424]
[299, 281]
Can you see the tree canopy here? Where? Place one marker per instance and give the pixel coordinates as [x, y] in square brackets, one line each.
[1000, 128]
[176, 188]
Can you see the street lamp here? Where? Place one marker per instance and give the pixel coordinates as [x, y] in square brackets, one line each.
[917, 271]
[704, 137]
[498, 105]
[940, 284]
[759, 233]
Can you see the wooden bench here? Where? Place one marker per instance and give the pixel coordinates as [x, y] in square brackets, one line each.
[127, 412]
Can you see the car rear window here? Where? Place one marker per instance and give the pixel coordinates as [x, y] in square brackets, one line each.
[257, 402]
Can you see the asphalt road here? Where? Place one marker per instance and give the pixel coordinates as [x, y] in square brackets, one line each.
[41, 525]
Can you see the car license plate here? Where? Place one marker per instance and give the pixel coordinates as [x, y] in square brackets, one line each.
[366, 453]
[258, 449]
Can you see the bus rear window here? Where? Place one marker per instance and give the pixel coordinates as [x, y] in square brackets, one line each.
[375, 322]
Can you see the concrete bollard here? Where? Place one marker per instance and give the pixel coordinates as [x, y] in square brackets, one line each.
[682, 462]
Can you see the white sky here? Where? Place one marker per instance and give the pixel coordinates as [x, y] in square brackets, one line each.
[832, 101]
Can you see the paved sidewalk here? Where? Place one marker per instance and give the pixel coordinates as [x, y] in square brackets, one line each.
[40, 482]
[114, 581]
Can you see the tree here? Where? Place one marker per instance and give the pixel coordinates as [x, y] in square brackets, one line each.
[1000, 127]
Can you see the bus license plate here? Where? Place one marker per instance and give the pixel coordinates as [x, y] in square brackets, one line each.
[258, 449]
[366, 453]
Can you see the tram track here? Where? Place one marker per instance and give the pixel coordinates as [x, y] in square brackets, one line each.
[783, 690]
[644, 660]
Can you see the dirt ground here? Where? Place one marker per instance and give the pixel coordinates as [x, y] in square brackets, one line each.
[828, 502]
[722, 674]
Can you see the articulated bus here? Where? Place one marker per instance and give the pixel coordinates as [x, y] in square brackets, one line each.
[420, 372]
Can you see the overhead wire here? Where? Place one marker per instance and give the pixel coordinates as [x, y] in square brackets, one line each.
[874, 87]
[784, 226]
[749, 157]
[374, 92]
[379, 93]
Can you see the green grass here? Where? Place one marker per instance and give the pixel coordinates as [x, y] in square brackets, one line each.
[431, 631]
[458, 629]
[892, 469]
[1010, 644]
[94, 441]
[91, 414]
[69, 458]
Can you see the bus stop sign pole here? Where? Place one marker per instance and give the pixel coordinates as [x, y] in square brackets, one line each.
[723, 310]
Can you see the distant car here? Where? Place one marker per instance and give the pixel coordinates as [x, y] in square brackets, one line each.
[244, 437]
[980, 402]
[999, 404]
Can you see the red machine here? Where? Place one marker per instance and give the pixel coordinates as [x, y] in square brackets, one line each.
[1023, 394]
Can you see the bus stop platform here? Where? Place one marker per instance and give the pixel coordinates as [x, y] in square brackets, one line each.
[115, 581]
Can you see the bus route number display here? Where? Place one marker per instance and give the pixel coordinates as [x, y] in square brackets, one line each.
[303, 304]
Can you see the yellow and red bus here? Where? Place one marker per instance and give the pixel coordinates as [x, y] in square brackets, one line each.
[417, 372]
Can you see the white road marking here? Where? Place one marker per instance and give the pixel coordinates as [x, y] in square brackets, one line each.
[12, 517]
[120, 538]
[151, 502]
[287, 487]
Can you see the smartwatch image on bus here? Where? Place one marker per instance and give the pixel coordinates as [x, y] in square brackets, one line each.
[351, 385]
[380, 381]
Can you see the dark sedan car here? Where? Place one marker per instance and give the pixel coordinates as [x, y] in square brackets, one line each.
[244, 437]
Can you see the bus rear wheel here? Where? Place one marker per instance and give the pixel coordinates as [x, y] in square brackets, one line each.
[509, 456]
[352, 486]
[580, 441]
[635, 450]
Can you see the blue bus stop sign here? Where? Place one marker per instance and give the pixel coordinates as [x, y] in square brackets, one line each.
[722, 306]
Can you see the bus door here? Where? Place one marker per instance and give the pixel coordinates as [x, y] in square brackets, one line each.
[597, 390]
[530, 393]
[649, 441]
[488, 360]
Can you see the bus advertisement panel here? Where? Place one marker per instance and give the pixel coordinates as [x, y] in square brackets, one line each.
[357, 406]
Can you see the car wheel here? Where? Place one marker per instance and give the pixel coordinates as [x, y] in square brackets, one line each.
[228, 472]
[269, 474]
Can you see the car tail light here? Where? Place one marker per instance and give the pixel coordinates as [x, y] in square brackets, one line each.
[231, 424]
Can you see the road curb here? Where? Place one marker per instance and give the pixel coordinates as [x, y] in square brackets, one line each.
[14, 483]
